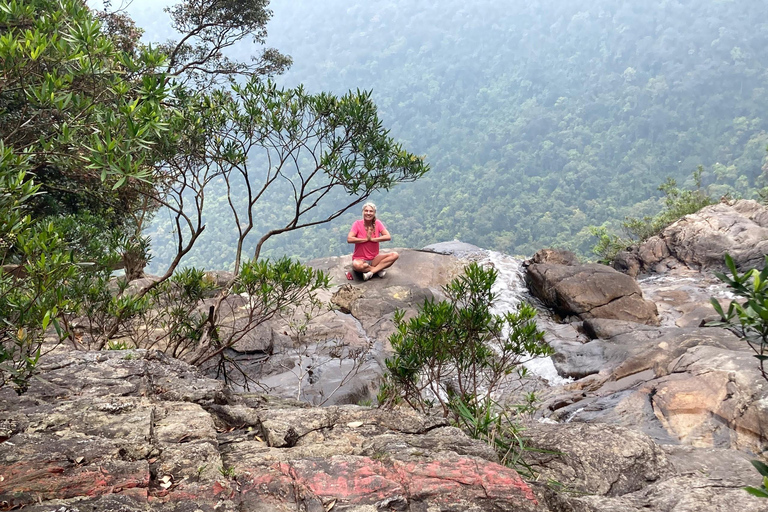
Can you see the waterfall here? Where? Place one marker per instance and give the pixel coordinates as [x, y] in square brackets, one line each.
[510, 290]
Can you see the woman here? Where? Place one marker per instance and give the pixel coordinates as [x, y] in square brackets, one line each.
[366, 235]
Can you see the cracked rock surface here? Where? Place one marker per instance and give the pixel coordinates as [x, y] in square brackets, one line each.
[137, 431]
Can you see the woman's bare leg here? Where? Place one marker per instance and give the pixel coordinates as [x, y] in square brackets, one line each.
[382, 261]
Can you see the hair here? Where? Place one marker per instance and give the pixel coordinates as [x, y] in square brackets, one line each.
[366, 205]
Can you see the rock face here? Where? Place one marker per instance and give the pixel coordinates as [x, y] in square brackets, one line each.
[700, 240]
[694, 386]
[136, 431]
[589, 291]
[695, 391]
[339, 358]
[662, 413]
[635, 474]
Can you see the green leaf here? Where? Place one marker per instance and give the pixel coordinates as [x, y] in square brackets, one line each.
[119, 183]
[760, 493]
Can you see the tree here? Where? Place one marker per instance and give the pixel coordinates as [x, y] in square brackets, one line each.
[92, 106]
[78, 119]
[83, 111]
[321, 153]
[97, 128]
[209, 28]
[748, 317]
[306, 151]
[88, 112]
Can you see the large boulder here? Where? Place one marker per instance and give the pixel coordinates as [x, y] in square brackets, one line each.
[700, 240]
[590, 291]
[575, 456]
[414, 278]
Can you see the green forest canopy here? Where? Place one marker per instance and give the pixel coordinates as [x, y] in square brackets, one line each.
[538, 118]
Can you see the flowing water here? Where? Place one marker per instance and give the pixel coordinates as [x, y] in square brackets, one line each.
[510, 290]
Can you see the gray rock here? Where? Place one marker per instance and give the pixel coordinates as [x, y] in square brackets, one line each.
[454, 248]
[605, 328]
[636, 474]
[554, 257]
[590, 291]
[701, 240]
[574, 455]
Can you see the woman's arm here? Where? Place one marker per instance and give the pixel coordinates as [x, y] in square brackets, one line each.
[352, 237]
[384, 235]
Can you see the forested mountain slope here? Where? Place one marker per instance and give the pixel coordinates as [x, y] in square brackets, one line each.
[538, 118]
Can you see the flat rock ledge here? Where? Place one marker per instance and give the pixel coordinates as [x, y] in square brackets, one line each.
[137, 431]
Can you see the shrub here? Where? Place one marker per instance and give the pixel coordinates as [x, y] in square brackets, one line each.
[749, 318]
[677, 204]
[608, 245]
[455, 356]
[33, 265]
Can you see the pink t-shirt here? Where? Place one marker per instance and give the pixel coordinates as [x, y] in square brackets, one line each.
[366, 250]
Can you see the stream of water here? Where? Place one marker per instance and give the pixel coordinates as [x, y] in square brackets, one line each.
[510, 290]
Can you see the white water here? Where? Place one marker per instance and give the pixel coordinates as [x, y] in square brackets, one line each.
[510, 290]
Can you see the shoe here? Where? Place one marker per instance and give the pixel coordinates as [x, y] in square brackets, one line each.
[367, 275]
[381, 273]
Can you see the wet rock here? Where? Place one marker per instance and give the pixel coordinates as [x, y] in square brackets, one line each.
[694, 386]
[683, 296]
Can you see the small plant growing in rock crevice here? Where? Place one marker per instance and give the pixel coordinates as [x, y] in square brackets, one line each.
[749, 317]
[227, 472]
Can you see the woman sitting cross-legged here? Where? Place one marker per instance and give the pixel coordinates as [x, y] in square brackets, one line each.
[366, 235]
